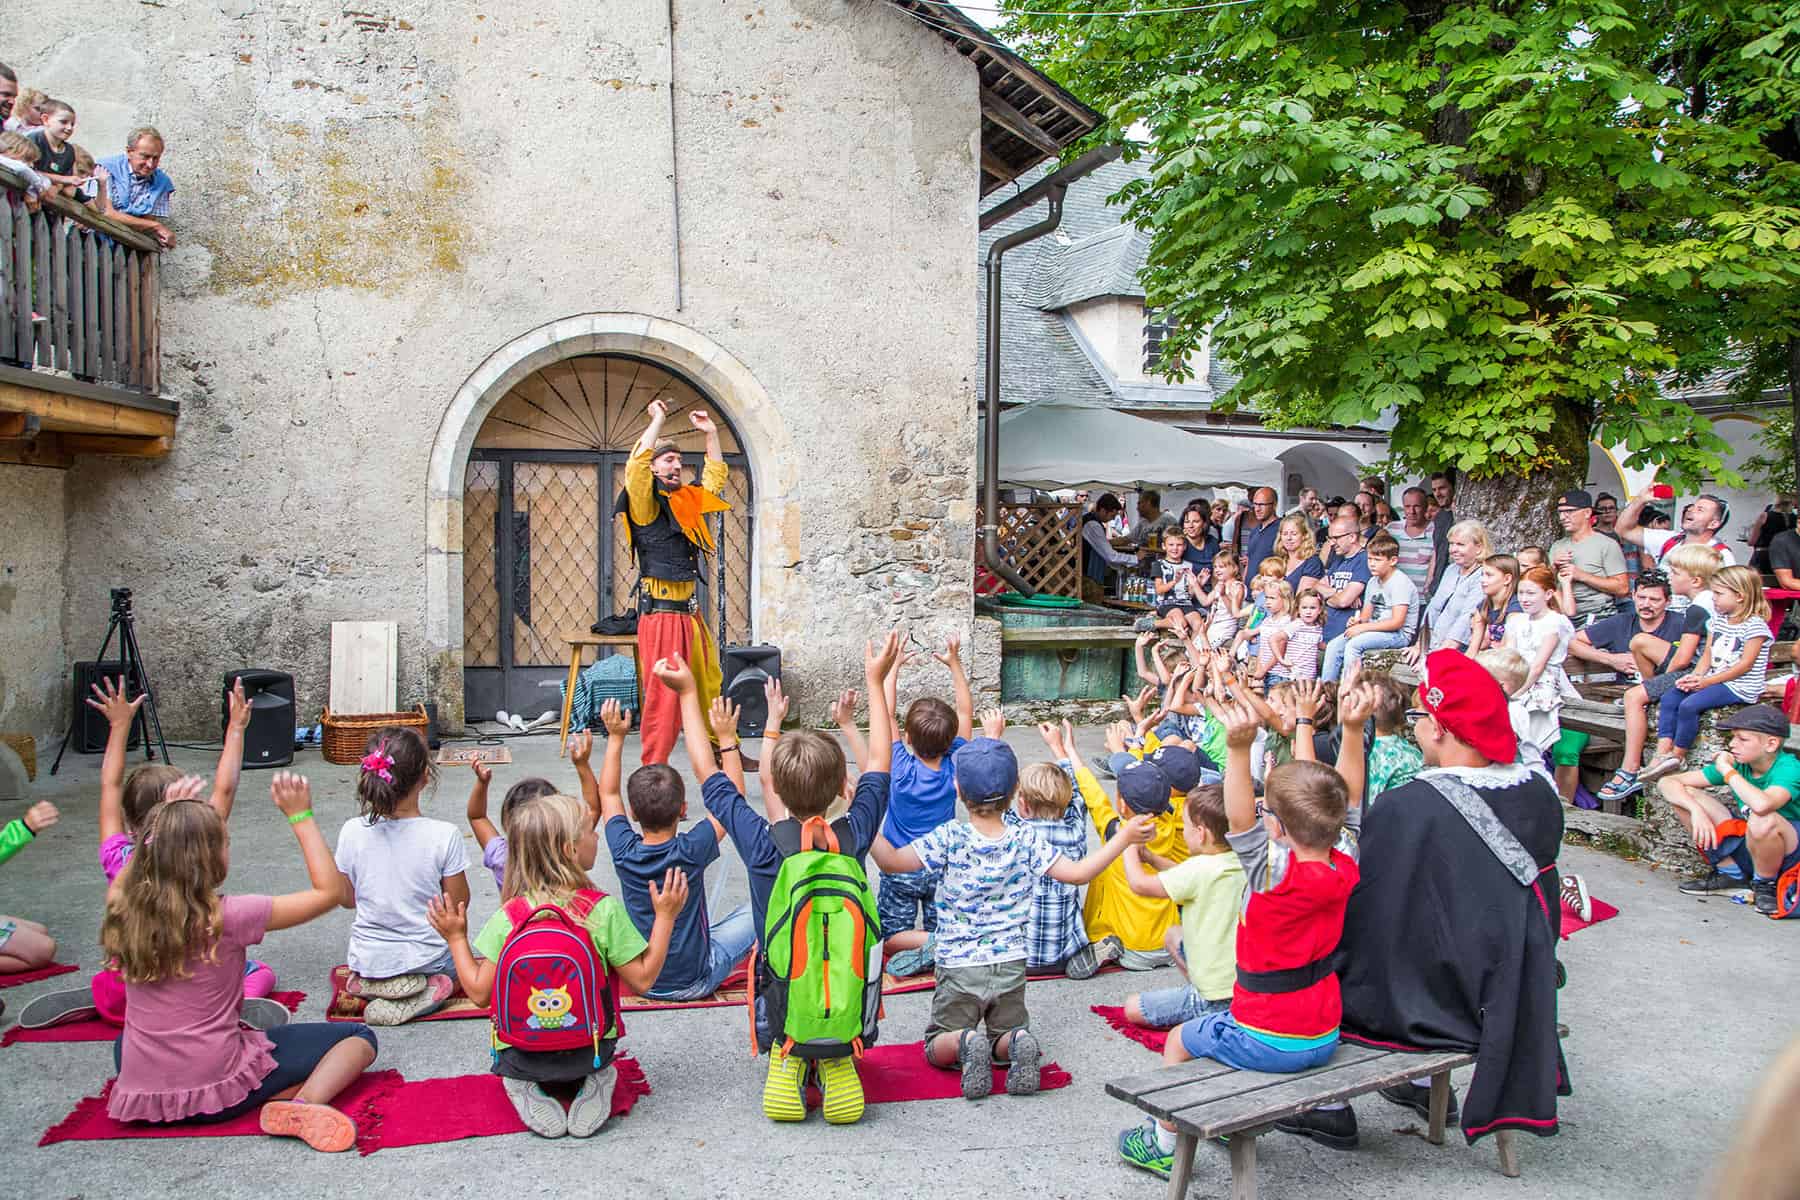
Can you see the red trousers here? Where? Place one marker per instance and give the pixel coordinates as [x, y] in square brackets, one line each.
[671, 635]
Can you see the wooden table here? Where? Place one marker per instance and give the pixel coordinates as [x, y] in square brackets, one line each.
[579, 643]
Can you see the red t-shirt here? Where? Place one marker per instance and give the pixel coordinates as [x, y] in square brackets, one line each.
[1292, 917]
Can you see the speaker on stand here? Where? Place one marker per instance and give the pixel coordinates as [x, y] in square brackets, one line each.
[269, 741]
[744, 670]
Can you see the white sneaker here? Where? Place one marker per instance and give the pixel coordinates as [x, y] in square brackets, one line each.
[592, 1105]
[540, 1112]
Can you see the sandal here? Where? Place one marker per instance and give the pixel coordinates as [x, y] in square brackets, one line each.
[1623, 785]
[399, 987]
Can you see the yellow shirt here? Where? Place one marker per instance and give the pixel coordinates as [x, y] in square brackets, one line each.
[1112, 907]
[640, 497]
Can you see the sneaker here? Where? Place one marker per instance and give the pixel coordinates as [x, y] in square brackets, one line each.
[592, 1105]
[259, 1013]
[1764, 892]
[1333, 1127]
[1707, 885]
[538, 1109]
[784, 1091]
[1622, 786]
[1145, 623]
[840, 1091]
[58, 1008]
[1575, 895]
[398, 1012]
[1668, 764]
[400, 987]
[977, 1060]
[1139, 1147]
[320, 1126]
[918, 961]
[1100, 767]
[1418, 1098]
[1086, 962]
[1022, 1069]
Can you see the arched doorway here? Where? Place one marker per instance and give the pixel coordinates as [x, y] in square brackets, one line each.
[542, 550]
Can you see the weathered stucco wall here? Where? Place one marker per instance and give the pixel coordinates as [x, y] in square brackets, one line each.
[34, 666]
[369, 205]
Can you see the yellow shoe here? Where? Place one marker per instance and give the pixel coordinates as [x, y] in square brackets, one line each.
[784, 1091]
[842, 1090]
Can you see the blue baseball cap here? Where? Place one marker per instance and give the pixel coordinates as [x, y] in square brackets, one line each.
[1180, 765]
[987, 771]
[1144, 788]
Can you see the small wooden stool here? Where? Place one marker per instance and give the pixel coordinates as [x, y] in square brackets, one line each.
[579, 642]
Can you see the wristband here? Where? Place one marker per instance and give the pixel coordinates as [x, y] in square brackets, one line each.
[1303, 720]
[728, 749]
[303, 815]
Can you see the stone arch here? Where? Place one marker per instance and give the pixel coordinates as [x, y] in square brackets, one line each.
[729, 384]
[1329, 468]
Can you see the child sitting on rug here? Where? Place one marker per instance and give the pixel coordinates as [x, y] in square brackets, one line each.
[553, 848]
[921, 796]
[492, 841]
[392, 860]
[989, 872]
[1057, 942]
[801, 777]
[24, 945]
[1285, 1004]
[702, 954]
[124, 804]
[1208, 889]
[179, 946]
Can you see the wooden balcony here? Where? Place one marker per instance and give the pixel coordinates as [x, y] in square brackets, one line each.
[80, 363]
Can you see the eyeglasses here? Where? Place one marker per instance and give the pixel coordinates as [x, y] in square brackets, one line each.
[1416, 714]
[1348, 533]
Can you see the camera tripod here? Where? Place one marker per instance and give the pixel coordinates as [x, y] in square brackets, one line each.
[146, 718]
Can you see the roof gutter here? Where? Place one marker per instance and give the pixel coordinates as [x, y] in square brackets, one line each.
[1052, 188]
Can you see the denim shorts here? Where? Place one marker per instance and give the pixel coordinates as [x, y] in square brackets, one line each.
[1166, 1008]
[907, 901]
[1218, 1037]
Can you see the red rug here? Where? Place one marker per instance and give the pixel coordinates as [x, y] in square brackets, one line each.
[389, 1111]
[895, 1074]
[49, 972]
[1114, 1015]
[95, 1030]
[1573, 924]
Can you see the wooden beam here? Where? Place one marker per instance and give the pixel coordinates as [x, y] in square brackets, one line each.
[14, 425]
[46, 451]
[84, 214]
[76, 414]
[1016, 122]
[115, 446]
[995, 168]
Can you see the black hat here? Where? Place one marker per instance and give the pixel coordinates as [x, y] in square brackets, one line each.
[1758, 718]
[1575, 498]
[1144, 788]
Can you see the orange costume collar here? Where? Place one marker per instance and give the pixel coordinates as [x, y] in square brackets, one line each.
[689, 505]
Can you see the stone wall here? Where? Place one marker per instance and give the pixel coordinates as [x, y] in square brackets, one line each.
[370, 203]
[34, 662]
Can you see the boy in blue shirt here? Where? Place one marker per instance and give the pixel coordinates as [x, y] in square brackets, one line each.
[701, 955]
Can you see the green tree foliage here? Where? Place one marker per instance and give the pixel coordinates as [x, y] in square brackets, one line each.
[1499, 220]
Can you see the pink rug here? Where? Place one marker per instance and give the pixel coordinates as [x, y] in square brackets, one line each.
[1574, 924]
[896, 1074]
[49, 972]
[1114, 1015]
[95, 1030]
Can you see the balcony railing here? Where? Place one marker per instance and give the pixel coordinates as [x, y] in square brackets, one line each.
[78, 293]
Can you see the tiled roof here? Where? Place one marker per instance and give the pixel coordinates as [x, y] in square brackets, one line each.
[1714, 386]
[1102, 264]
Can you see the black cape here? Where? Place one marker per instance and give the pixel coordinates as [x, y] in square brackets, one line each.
[1444, 949]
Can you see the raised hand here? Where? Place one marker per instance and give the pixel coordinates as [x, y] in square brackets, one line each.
[952, 650]
[1116, 733]
[1241, 723]
[615, 718]
[671, 897]
[1135, 704]
[110, 700]
[1308, 695]
[702, 421]
[448, 917]
[674, 673]
[776, 701]
[1052, 739]
[724, 718]
[188, 787]
[40, 817]
[879, 657]
[993, 723]
[239, 707]
[291, 793]
[843, 710]
[483, 772]
[581, 747]
[658, 411]
[1356, 706]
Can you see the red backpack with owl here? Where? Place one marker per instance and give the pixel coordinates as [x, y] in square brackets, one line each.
[552, 990]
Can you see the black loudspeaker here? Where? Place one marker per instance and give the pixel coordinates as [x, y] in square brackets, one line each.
[433, 738]
[89, 726]
[744, 670]
[269, 742]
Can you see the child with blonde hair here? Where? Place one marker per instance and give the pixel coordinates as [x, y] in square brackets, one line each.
[491, 840]
[1510, 671]
[179, 946]
[551, 847]
[1057, 942]
[1272, 634]
[392, 861]
[1224, 599]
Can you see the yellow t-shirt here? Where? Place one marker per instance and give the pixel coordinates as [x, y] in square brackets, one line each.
[1111, 906]
[640, 497]
[1209, 889]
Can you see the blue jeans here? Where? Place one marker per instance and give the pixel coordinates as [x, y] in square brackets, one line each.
[1678, 713]
[1343, 649]
[1166, 1008]
[297, 1050]
[1218, 1037]
[907, 900]
[729, 938]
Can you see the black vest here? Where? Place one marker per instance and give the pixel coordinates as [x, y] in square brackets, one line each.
[1092, 565]
[663, 551]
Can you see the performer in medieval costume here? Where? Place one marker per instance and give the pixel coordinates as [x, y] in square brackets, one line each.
[667, 530]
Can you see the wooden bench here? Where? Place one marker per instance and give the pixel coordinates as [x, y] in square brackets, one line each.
[1206, 1099]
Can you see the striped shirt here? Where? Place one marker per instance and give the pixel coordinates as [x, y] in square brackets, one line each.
[1416, 553]
[1728, 641]
[1303, 651]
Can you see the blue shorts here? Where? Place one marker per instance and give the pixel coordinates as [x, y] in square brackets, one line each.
[1166, 1008]
[907, 901]
[1732, 856]
[1218, 1037]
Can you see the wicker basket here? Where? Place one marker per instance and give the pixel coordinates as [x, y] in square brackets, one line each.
[347, 738]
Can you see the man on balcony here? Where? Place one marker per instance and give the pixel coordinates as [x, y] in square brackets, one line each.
[665, 526]
[137, 189]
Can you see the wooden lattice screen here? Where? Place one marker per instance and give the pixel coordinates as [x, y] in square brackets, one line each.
[1041, 542]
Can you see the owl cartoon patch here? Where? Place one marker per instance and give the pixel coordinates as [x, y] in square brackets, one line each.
[549, 1007]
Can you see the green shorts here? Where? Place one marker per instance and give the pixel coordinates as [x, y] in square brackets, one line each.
[1568, 748]
[992, 995]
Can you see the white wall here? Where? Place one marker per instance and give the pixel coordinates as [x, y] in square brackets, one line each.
[1114, 327]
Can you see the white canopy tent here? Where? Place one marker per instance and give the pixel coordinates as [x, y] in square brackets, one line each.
[1052, 446]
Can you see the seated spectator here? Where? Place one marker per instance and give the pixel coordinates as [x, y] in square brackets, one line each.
[1590, 567]
[1774, 520]
[1531, 556]
[1393, 759]
[19, 156]
[25, 116]
[1414, 536]
[1500, 599]
[1177, 606]
[1764, 785]
[1298, 553]
[1389, 617]
[1608, 641]
[1450, 617]
[1202, 541]
[1346, 575]
[138, 191]
[1784, 559]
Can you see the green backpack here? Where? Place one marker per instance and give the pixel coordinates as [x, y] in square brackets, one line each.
[820, 941]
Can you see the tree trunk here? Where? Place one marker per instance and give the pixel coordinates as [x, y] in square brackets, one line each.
[1793, 380]
[1518, 508]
